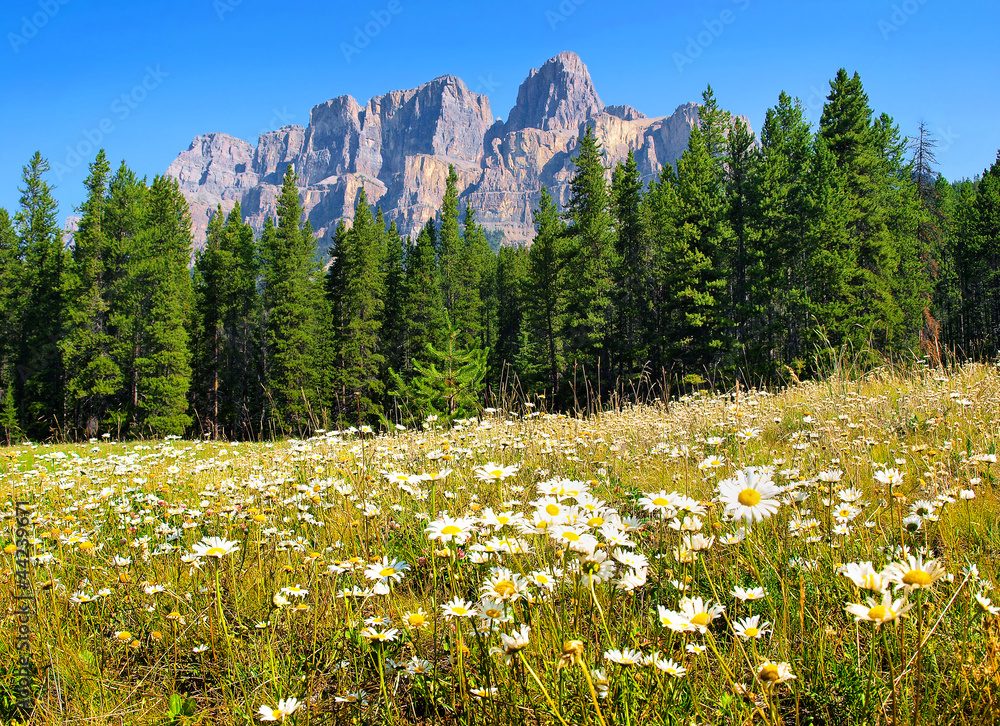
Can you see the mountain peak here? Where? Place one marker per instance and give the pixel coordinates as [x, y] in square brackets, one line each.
[559, 96]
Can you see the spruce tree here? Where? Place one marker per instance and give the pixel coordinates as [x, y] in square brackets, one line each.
[588, 273]
[292, 299]
[93, 378]
[631, 275]
[358, 298]
[39, 382]
[449, 248]
[11, 298]
[163, 366]
[542, 359]
[422, 309]
[393, 326]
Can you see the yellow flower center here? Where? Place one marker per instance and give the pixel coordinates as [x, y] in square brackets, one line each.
[701, 619]
[595, 521]
[215, 552]
[459, 610]
[552, 509]
[124, 635]
[749, 498]
[416, 620]
[661, 502]
[571, 536]
[751, 632]
[877, 613]
[505, 588]
[494, 613]
[917, 578]
[503, 520]
[769, 673]
[387, 572]
[451, 529]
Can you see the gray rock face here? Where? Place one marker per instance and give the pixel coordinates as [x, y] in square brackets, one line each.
[399, 145]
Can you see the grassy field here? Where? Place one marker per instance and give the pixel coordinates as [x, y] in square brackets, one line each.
[826, 554]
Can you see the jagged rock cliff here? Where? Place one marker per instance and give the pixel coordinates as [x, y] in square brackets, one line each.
[399, 146]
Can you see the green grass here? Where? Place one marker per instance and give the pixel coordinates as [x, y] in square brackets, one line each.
[132, 629]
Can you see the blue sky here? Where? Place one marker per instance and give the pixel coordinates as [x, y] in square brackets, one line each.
[143, 78]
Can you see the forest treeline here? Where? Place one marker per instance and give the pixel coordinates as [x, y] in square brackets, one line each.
[750, 259]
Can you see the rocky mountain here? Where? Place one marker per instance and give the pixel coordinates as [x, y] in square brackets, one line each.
[398, 146]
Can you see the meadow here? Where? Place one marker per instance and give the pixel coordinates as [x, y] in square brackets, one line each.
[822, 554]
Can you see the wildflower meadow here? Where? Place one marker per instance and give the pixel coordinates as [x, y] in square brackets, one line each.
[826, 553]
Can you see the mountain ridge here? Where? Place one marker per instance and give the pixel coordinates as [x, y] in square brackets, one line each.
[399, 145]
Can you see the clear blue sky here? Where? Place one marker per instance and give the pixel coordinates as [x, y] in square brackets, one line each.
[69, 67]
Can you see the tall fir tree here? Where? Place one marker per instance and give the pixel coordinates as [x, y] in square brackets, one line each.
[542, 358]
[292, 300]
[589, 269]
[422, 308]
[357, 295]
[94, 378]
[631, 274]
[39, 379]
[12, 274]
[163, 365]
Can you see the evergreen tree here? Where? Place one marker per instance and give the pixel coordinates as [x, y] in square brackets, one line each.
[94, 379]
[393, 326]
[292, 299]
[449, 249]
[227, 376]
[422, 309]
[542, 359]
[745, 302]
[589, 268]
[478, 263]
[163, 364]
[631, 277]
[511, 266]
[39, 380]
[357, 288]
[447, 382]
[776, 330]
[12, 275]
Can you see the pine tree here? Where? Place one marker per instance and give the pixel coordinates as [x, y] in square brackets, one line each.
[93, 378]
[40, 379]
[542, 359]
[393, 326]
[127, 295]
[449, 248]
[777, 281]
[631, 274]
[292, 300]
[511, 266]
[422, 309]
[163, 364]
[588, 273]
[358, 297]
[447, 380]
[742, 206]
[12, 275]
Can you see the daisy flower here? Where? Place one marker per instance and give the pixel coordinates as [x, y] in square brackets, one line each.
[754, 593]
[215, 547]
[669, 666]
[458, 608]
[891, 477]
[374, 634]
[576, 539]
[878, 613]
[698, 612]
[663, 504]
[416, 619]
[864, 576]
[749, 628]
[386, 570]
[286, 707]
[518, 640]
[987, 604]
[495, 472]
[674, 620]
[504, 585]
[446, 529]
[751, 495]
[625, 656]
[914, 573]
[769, 673]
